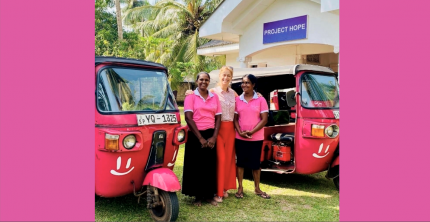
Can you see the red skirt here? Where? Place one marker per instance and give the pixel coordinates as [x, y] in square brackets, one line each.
[226, 164]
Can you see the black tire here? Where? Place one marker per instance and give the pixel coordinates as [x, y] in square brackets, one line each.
[170, 211]
[336, 182]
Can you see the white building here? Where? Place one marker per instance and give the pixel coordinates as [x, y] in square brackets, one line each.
[268, 33]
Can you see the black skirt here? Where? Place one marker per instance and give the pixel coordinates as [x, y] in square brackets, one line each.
[248, 153]
[199, 172]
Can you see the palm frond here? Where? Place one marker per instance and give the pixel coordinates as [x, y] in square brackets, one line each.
[138, 14]
[169, 4]
[167, 31]
[190, 53]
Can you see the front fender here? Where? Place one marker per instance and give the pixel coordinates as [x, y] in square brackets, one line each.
[162, 178]
[333, 170]
[335, 162]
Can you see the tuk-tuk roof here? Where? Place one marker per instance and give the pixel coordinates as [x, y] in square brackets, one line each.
[110, 59]
[268, 71]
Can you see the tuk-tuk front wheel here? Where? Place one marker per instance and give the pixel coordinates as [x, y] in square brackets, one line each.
[336, 182]
[170, 210]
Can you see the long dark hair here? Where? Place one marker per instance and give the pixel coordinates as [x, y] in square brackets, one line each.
[251, 78]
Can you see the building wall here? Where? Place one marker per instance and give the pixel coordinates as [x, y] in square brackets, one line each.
[287, 55]
[219, 15]
[322, 28]
[230, 60]
[277, 56]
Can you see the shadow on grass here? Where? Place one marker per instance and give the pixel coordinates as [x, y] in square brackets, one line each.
[316, 183]
[250, 208]
[123, 208]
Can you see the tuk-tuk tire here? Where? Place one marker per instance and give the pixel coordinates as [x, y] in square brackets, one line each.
[336, 182]
[171, 210]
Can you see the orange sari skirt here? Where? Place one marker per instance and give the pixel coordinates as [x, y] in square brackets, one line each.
[226, 163]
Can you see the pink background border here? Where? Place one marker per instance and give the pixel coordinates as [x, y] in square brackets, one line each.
[385, 155]
[47, 52]
[47, 110]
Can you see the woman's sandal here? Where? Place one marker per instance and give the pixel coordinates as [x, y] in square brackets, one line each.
[212, 202]
[218, 199]
[197, 203]
[239, 195]
[225, 194]
[263, 195]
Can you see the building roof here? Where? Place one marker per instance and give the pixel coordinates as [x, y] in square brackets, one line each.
[238, 73]
[214, 43]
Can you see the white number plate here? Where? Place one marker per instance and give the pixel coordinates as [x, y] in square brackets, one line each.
[149, 119]
[336, 114]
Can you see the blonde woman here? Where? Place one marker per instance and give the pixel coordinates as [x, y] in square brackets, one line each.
[226, 165]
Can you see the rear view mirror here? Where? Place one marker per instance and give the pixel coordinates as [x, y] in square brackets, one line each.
[291, 100]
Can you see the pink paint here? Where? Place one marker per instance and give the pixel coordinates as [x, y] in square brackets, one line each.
[378, 58]
[47, 111]
[164, 179]
[121, 171]
[204, 111]
[249, 115]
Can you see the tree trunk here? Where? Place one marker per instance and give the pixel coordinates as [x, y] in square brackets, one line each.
[118, 19]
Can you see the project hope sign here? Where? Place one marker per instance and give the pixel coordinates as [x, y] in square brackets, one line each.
[285, 30]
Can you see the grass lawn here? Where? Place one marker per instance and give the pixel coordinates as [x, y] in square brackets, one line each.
[294, 198]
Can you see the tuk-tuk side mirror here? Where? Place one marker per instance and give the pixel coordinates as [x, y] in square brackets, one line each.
[291, 98]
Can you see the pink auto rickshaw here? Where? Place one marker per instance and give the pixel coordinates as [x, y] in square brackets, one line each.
[137, 134]
[302, 133]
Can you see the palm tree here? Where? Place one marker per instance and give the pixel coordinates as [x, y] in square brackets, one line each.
[118, 19]
[177, 21]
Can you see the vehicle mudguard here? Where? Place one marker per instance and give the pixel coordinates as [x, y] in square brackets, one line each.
[333, 170]
[335, 162]
[162, 178]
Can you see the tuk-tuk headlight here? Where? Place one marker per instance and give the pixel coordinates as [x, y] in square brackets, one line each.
[332, 131]
[181, 135]
[317, 130]
[129, 141]
[111, 142]
[329, 131]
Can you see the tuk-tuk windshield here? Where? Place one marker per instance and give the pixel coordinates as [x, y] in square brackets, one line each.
[131, 90]
[319, 91]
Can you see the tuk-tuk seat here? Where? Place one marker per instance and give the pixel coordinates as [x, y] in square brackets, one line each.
[287, 138]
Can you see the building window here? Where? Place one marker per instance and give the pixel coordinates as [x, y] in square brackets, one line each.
[315, 58]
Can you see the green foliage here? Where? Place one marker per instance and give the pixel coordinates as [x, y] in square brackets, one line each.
[106, 35]
[127, 106]
[166, 33]
[179, 71]
[179, 22]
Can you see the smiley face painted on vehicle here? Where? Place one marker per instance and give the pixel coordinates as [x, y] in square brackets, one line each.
[326, 152]
[173, 159]
[118, 166]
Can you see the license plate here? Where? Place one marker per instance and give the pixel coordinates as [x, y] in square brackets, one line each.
[336, 114]
[150, 119]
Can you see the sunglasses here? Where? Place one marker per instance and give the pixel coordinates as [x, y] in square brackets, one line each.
[229, 67]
